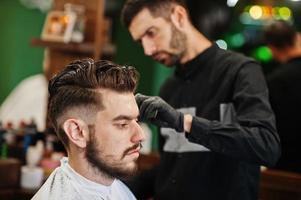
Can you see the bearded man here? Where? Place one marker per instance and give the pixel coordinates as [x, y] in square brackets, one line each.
[93, 110]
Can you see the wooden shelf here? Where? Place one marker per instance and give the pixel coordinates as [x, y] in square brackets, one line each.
[85, 47]
[81, 48]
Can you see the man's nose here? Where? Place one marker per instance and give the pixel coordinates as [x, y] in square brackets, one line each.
[149, 47]
[139, 134]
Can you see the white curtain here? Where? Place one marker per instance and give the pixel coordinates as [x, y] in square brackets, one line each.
[43, 5]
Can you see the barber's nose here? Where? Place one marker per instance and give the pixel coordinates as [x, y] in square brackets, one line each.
[139, 134]
[148, 46]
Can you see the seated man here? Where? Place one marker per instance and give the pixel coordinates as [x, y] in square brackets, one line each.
[93, 110]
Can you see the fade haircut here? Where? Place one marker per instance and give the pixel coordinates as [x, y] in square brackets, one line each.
[157, 8]
[75, 87]
[280, 34]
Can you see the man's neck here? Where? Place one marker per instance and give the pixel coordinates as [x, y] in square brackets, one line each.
[196, 44]
[82, 167]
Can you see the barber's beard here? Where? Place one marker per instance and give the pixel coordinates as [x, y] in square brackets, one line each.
[178, 42]
[106, 164]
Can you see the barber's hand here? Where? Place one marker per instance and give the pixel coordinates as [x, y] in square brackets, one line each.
[157, 111]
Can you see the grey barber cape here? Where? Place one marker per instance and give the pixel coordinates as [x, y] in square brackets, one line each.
[66, 184]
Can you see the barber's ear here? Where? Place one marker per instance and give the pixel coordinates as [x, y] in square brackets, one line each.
[77, 132]
[179, 17]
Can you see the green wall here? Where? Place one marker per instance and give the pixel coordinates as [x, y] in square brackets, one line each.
[17, 58]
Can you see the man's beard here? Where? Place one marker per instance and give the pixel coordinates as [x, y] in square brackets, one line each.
[105, 163]
[178, 42]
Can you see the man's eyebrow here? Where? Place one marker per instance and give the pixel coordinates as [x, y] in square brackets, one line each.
[123, 117]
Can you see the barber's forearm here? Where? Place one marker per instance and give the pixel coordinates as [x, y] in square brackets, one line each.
[187, 123]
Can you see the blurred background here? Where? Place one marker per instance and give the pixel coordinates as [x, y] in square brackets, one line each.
[25, 48]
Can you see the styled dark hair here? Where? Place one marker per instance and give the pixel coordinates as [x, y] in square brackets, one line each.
[279, 34]
[157, 8]
[76, 87]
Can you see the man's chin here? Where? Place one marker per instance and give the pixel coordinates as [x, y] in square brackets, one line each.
[132, 166]
[129, 172]
[124, 172]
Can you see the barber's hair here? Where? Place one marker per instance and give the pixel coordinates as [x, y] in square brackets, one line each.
[75, 87]
[157, 8]
[279, 34]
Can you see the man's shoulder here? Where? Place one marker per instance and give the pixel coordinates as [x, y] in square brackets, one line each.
[228, 63]
[55, 186]
[119, 188]
[232, 57]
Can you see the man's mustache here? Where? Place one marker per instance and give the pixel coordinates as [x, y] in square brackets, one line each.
[134, 147]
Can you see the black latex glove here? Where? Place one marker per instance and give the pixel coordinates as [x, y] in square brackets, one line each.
[157, 111]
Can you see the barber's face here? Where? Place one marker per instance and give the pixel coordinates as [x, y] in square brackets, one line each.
[159, 38]
[114, 142]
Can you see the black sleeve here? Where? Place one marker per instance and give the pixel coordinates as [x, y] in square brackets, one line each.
[142, 185]
[253, 137]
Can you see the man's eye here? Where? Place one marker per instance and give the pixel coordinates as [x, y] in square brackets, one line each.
[122, 125]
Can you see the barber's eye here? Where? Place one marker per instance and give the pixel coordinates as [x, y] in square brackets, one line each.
[151, 33]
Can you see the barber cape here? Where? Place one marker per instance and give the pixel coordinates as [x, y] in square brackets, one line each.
[66, 184]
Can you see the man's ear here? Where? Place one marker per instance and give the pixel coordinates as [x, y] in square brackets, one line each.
[179, 17]
[77, 131]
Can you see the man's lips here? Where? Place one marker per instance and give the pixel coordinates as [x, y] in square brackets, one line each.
[134, 149]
